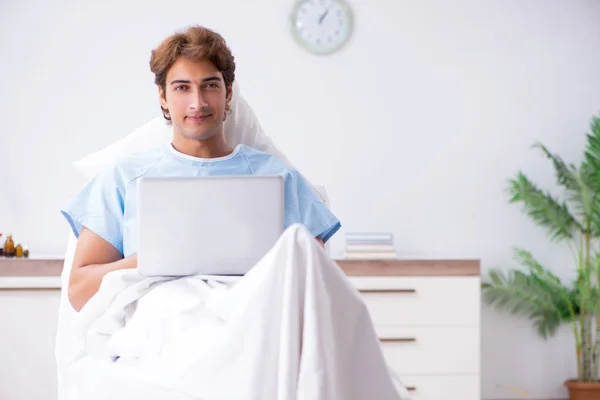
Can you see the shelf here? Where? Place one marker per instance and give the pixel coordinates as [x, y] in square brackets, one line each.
[419, 267]
[31, 267]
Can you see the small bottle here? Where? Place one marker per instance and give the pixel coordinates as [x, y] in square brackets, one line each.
[25, 251]
[1, 249]
[9, 246]
[19, 251]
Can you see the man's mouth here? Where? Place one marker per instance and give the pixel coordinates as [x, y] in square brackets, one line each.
[198, 118]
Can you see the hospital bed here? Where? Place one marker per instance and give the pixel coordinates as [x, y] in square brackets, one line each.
[102, 377]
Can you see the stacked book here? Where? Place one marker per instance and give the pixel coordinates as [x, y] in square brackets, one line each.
[370, 246]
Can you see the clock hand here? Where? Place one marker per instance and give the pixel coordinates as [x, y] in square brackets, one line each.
[324, 15]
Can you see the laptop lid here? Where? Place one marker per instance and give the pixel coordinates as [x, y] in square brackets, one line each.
[207, 225]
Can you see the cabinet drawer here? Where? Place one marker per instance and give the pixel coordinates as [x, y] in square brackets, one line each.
[431, 351]
[443, 387]
[421, 301]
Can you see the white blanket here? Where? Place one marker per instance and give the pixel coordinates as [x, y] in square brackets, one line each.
[293, 328]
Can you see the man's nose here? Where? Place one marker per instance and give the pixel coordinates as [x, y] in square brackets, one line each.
[198, 102]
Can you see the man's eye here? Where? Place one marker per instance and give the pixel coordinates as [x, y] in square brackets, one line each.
[212, 85]
[181, 87]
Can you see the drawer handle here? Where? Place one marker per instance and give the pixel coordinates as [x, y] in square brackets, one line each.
[411, 388]
[400, 339]
[388, 290]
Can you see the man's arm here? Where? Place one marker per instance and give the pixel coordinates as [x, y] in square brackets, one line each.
[320, 241]
[94, 258]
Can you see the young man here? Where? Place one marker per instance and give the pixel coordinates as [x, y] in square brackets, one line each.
[194, 72]
[293, 328]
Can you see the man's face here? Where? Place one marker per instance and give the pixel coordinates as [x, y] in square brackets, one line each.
[196, 96]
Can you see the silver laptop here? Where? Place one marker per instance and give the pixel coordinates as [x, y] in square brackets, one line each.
[207, 225]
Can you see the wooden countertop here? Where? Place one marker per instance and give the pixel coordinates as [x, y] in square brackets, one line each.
[403, 267]
[31, 267]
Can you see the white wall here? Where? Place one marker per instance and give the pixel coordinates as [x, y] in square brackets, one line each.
[414, 127]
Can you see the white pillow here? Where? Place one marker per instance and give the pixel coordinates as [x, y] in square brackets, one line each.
[240, 127]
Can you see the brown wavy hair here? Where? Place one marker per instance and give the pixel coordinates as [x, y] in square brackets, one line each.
[196, 43]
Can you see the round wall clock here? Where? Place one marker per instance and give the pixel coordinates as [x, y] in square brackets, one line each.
[322, 26]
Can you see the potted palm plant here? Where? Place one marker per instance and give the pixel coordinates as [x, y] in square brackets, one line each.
[534, 291]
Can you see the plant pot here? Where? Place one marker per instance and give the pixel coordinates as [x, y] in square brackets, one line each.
[583, 390]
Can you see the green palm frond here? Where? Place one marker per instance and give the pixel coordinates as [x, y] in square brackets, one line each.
[569, 298]
[586, 199]
[595, 214]
[575, 181]
[543, 209]
[536, 297]
[565, 174]
[544, 276]
[526, 259]
[591, 171]
[592, 151]
[546, 325]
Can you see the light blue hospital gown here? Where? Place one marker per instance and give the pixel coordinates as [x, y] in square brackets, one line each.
[107, 205]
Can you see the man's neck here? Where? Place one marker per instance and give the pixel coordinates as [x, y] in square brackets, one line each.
[213, 147]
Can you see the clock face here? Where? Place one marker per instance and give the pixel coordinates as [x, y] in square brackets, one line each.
[322, 26]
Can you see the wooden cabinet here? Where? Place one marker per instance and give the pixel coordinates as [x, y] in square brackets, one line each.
[427, 316]
[27, 334]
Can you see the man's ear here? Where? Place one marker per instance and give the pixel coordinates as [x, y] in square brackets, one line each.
[228, 98]
[162, 97]
[229, 94]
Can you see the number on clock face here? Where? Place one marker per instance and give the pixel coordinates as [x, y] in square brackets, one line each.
[322, 26]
